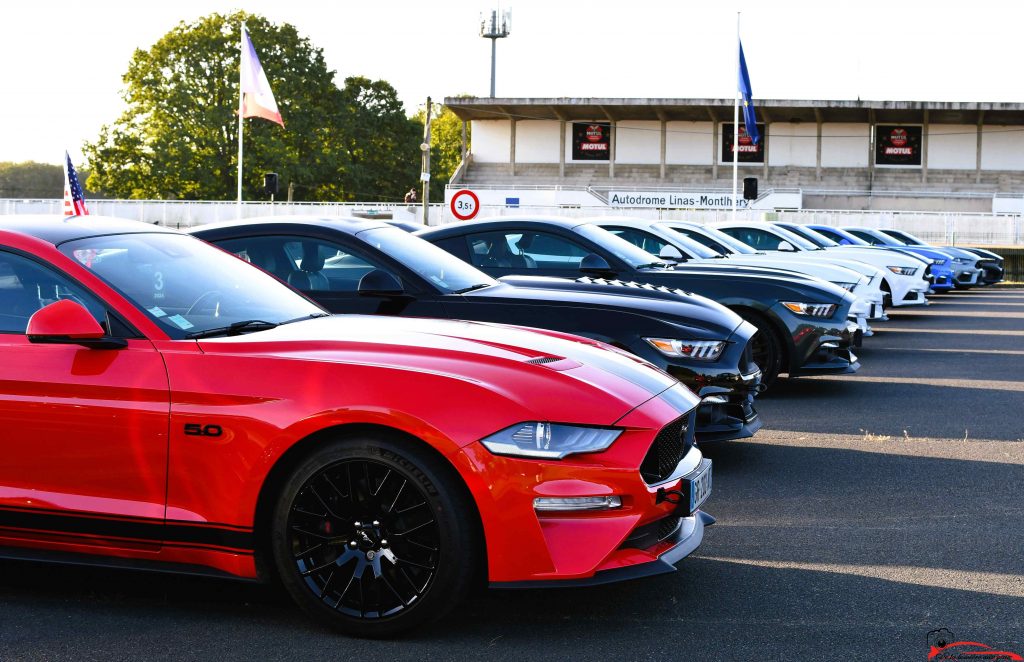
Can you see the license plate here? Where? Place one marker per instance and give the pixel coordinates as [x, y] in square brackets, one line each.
[700, 485]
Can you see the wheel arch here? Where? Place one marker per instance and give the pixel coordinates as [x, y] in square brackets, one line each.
[288, 460]
[780, 329]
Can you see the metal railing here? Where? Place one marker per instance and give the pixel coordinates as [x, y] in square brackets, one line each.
[983, 229]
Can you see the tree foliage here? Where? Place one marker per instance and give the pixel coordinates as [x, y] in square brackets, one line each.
[34, 180]
[178, 138]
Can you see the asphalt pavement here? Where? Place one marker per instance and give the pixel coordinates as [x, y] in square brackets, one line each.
[870, 510]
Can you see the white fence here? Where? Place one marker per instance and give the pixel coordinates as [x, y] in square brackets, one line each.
[187, 213]
[940, 228]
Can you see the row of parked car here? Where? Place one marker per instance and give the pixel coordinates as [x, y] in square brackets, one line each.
[518, 401]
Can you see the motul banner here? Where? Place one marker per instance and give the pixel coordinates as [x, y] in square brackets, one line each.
[591, 141]
[897, 145]
[749, 151]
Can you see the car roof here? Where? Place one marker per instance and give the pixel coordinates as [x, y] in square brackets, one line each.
[348, 225]
[55, 229]
[485, 224]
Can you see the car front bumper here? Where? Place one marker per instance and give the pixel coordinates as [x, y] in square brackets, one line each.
[656, 560]
[967, 277]
[909, 291]
[531, 547]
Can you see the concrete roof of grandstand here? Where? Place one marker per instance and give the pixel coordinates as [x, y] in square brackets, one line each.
[704, 110]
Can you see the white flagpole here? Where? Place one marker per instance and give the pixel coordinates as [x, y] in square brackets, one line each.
[735, 128]
[241, 124]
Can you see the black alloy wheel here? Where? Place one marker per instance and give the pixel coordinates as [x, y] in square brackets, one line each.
[765, 348]
[372, 538]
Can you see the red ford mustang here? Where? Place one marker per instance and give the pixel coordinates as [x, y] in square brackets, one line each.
[167, 405]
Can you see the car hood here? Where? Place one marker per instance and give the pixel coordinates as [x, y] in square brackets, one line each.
[921, 251]
[541, 365]
[875, 255]
[831, 272]
[955, 252]
[741, 286]
[690, 313]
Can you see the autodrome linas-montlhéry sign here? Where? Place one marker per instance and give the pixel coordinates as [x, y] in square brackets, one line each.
[673, 200]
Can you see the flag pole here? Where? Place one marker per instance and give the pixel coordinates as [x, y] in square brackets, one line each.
[241, 108]
[735, 129]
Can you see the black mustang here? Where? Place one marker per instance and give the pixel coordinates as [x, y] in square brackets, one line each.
[801, 321]
[370, 267]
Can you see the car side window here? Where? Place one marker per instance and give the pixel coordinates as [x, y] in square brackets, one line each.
[525, 250]
[26, 286]
[645, 240]
[305, 263]
[757, 238]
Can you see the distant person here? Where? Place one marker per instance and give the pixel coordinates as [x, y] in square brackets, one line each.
[410, 197]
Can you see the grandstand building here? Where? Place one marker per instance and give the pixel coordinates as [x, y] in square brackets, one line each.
[677, 154]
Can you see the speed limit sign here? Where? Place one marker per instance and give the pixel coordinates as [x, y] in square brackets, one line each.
[464, 204]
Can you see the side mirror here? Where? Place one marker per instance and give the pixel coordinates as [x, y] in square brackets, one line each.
[380, 283]
[786, 246]
[67, 322]
[595, 265]
[670, 252]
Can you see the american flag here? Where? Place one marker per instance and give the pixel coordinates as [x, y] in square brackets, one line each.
[74, 198]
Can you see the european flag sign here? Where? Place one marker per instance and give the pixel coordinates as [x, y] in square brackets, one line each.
[749, 119]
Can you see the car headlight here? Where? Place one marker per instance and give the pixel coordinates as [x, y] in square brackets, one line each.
[701, 350]
[846, 286]
[551, 441]
[938, 260]
[811, 309]
[903, 271]
[963, 260]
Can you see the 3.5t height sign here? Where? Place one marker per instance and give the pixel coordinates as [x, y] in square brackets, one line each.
[464, 204]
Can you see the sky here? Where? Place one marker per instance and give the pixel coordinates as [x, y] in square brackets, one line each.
[63, 61]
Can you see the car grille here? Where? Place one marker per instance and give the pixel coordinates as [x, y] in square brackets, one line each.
[668, 449]
[649, 535]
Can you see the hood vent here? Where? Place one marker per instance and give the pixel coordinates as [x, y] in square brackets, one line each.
[587, 280]
[540, 360]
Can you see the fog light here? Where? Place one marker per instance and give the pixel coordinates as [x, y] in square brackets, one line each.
[577, 503]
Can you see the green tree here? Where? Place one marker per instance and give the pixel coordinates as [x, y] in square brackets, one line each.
[179, 136]
[445, 147]
[35, 180]
[380, 142]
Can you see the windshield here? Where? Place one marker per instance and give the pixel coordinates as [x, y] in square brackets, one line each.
[716, 238]
[905, 237]
[795, 239]
[812, 236]
[436, 265]
[186, 285]
[622, 249]
[839, 235]
[693, 246]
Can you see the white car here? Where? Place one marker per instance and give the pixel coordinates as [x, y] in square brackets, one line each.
[905, 279]
[659, 238]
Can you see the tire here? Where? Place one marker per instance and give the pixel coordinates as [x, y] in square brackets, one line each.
[766, 347]
[413, 555]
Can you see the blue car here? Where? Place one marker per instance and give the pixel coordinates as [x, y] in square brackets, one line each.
[966, 269]
[991, 264]
[941, 269]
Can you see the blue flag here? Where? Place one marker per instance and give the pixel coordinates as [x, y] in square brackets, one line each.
[749, 119]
